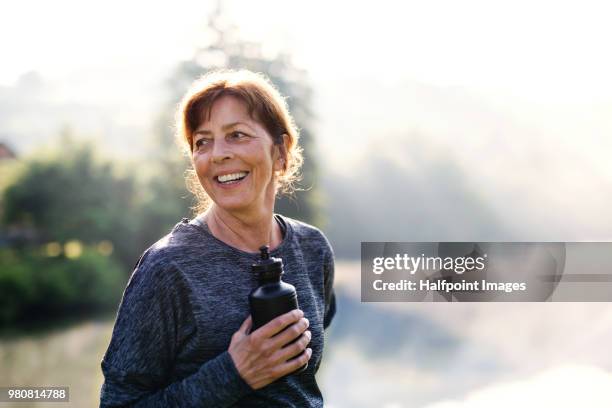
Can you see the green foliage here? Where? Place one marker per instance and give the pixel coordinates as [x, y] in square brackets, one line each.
[9, 169]
[61, 198]
[35, 286]
[73, 196]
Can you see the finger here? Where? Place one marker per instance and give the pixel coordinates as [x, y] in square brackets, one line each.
[278, 324]
[292, 365]
[246, 325]
[291, 333]
[293, 349]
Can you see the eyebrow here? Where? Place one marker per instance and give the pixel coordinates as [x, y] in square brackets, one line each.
[224, 127]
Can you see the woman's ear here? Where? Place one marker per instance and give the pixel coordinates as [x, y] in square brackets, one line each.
[280, 162]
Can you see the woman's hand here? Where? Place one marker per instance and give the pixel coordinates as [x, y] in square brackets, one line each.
[261, 357]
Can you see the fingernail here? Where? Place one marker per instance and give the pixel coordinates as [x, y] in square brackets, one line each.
[300, 313]
[309, 351]
[308, 334]
[307, 322]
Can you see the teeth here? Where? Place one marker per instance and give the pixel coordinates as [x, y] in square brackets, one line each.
[230, 177]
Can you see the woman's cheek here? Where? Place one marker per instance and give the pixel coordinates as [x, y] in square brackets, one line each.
[200, 167]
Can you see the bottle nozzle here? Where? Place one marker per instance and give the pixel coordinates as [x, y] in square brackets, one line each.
[264, 254]
[267, 267]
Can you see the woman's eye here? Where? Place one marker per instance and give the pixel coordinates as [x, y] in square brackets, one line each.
[201, 142]
[238, 135]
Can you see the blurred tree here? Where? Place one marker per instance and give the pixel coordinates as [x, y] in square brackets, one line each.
[36, 287]
[225, 50]
[73, 196]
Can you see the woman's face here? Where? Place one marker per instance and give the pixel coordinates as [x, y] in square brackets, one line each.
[235, 159]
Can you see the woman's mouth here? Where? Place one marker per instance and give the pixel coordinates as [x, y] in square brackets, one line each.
[231, 179]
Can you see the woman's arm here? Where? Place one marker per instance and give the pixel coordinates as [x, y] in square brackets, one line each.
[151, 324]
[217, 384]
[330, 295]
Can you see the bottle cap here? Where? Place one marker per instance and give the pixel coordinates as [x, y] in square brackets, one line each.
[267, 267]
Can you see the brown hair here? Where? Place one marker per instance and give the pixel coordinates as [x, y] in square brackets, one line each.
[264, 104]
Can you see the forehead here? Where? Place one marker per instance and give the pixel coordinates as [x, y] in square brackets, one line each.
[226, 109]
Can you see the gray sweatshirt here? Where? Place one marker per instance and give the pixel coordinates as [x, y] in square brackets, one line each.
[186, 297]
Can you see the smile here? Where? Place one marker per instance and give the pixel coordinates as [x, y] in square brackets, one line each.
[233, 178]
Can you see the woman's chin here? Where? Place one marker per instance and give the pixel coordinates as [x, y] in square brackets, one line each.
[233, 204]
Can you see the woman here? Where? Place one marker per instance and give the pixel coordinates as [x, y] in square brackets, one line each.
[182, 335]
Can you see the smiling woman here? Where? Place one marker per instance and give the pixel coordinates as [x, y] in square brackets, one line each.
[183, 331]
[260, 111]
[235, 159]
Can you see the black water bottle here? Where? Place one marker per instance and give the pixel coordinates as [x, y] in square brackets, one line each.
[272, 297]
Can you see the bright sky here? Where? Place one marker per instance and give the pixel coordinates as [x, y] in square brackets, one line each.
[61, 37]
[544, 64]
[551, 48]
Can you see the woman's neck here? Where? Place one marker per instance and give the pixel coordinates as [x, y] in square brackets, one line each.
[245, 232]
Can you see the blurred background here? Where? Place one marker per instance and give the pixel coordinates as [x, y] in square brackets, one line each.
[425, 121]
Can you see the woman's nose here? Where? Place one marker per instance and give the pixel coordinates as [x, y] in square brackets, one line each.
[221, 151]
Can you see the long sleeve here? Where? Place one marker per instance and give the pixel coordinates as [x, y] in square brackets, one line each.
[330, 295]
[153, 320]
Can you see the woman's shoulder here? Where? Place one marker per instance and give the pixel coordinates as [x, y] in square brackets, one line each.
[162, 255]
[307, 233]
